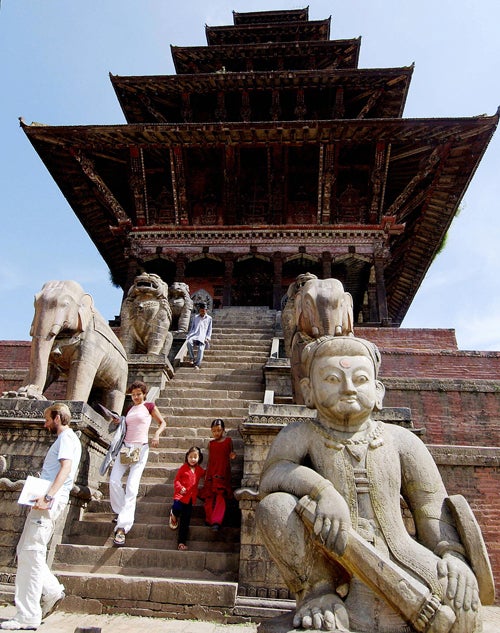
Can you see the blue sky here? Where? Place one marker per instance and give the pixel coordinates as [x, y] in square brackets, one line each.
[55, 59]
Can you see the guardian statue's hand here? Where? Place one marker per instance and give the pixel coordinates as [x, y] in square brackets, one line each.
[332, 521]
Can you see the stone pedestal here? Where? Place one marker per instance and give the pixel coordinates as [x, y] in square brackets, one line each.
[153, 369]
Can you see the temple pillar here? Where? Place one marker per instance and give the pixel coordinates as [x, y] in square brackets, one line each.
[180, 267]
[228, 279]
[326, 263]
[372, 310]
[378, 263]
[277, 280]
[132, 272]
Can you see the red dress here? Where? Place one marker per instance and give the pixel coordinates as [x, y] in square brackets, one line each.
[217, 486]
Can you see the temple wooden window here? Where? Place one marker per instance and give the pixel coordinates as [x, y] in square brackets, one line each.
[204, 184]
[253, 203]
[302, 184]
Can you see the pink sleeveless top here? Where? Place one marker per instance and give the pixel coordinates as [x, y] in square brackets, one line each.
[138, 422]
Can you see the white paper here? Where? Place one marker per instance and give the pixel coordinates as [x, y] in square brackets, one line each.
[33, 488]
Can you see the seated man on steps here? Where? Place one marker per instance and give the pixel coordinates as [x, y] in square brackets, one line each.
[199, 333]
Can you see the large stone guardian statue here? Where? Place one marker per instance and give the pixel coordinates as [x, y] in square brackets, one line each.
[71, 338]
[331, 511]
[145, 317]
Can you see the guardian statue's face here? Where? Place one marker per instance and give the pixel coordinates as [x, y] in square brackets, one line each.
[343, 389]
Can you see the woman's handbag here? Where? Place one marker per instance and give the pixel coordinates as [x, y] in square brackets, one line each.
[129, 454]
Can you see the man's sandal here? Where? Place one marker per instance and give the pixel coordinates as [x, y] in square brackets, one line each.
[172, 521]
[119, 538]
[182, 547]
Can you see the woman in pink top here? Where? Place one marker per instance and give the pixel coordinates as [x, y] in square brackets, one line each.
[138, 421]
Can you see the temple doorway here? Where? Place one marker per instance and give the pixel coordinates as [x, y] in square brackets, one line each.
[252, 283]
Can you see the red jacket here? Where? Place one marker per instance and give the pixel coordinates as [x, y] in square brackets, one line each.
[188, 479]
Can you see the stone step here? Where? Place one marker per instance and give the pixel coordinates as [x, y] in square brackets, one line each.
[143, 561]
[160, 489]
[218, 363]
[120, 593]
[244, 340]
[157, 509]
[174, 390]
[149, 573]
[229, 374]
[167, 470]
[236, 351]
[199, 426]
[175, 455]
[188, 394]
[177, 450]
[231, 411]
[186, 378]
[158, 537]
[164, 463]
[185, 431]
[156, 528]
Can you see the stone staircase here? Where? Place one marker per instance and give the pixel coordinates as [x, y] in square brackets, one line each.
[149, 576]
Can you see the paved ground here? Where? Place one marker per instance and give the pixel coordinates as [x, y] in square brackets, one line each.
[60, 622]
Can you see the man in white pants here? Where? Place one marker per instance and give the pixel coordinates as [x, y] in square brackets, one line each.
[38, 591]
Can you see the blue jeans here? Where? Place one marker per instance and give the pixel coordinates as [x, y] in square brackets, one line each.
[201, 348]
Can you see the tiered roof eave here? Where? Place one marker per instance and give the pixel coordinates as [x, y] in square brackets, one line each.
[326, 54]
[166, 91]
[274, 32]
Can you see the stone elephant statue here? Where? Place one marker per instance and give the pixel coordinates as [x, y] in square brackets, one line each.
[70, 337]
[315, 307]
[181, 305]
[146, 316]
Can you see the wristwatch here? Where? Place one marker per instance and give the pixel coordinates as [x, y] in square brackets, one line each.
[48, 499]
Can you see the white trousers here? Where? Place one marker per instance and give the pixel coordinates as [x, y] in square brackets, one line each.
[33, 577]
[123, 501]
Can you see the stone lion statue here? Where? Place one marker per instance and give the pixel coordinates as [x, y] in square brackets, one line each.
[181, 305]
[146, 316]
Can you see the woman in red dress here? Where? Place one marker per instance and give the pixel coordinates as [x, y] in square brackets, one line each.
[217, 486]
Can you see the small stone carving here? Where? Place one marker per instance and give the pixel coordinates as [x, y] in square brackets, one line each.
[181, 305]
[315, 307]
[146, 316]
[70, 337]
[331, 511]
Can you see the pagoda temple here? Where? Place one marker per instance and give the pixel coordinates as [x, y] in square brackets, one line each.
[268, 154]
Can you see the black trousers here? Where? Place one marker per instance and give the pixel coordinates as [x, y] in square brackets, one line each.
[182, 511]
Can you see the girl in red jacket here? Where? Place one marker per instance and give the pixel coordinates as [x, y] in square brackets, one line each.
[185, 493]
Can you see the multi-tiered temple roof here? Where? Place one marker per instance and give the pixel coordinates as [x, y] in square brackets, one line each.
[268, 154]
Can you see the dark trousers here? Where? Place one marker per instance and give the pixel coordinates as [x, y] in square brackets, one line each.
[182, 511]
